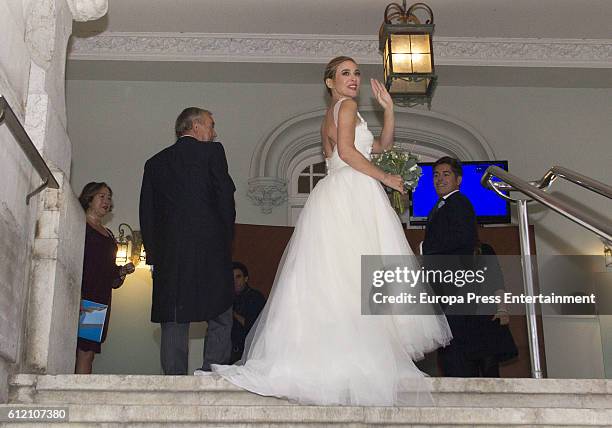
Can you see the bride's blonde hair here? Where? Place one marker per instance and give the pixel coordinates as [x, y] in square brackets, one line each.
[332, 67]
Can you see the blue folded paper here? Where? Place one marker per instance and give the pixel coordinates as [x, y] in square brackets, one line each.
[91, 320]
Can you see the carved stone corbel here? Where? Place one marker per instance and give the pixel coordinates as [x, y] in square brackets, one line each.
[87, 10]
[267, 192]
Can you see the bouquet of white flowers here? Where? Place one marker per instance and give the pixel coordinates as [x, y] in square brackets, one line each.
[404, 163]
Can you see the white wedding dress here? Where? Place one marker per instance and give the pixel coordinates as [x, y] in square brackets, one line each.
[311, 344]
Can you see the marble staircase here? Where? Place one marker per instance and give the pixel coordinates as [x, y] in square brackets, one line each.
[185, 401]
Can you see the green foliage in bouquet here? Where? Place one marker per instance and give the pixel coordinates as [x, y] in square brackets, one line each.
[400, 162]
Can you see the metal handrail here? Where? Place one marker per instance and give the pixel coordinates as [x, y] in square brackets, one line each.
[575, 177]
[25, 142]
[533, 190]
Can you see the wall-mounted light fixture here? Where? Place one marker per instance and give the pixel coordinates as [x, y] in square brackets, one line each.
[129, 246]
[608, 255]
[407, 48]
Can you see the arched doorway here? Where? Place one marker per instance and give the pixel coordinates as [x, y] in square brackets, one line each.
[292, 152]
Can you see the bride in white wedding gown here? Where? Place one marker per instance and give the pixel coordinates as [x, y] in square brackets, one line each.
[311, 344]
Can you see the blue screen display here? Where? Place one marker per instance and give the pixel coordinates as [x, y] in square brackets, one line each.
[490, 208]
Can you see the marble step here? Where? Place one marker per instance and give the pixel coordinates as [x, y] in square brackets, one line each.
[214, 391]
[317, 416]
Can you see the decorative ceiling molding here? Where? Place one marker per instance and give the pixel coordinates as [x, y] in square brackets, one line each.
[290, 48]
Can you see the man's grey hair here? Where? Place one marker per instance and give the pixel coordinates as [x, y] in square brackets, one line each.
[184, 121]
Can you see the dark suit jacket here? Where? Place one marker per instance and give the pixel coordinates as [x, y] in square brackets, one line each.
[248, 304]
[450, 238]
[452, 229]
[187, 217]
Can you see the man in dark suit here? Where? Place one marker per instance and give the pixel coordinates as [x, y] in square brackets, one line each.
[451, 225]
[248, 303]
[450, 234]
[187, 218]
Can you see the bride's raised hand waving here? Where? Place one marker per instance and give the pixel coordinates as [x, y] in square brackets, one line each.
[381, 94]
[385, 141]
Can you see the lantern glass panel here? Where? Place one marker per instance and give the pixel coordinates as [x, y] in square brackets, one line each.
[421, 63]
[122, 253]
[400, 43]
[401, 86]
[420, 43]
[400, 49]
[402, 63]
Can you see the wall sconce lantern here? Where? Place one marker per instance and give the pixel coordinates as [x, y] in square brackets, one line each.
[129, 246]
[608, 255]
[407, 48]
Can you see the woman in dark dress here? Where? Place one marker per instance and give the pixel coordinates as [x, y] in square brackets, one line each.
[100, 273]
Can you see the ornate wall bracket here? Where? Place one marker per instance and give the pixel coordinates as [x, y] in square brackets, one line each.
[42, 17]
[267, 192]
[87, 10]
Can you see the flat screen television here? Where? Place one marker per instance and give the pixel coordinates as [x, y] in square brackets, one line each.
[489, 207]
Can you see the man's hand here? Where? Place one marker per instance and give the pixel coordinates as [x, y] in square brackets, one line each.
[502, 311]
[503, 317]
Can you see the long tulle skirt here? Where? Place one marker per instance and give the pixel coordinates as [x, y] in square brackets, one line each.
[311, 343]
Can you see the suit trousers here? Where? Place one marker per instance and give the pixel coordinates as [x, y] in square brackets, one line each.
[455, 363]
[174, 350]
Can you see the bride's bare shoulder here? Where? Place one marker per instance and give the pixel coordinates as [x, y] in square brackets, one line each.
[347, 109]
[328, 131]
[328, 121]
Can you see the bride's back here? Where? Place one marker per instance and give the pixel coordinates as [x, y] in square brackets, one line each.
[329, 133]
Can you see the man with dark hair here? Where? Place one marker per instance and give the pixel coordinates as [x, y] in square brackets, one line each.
[187, 218]
[451, 224]
[451, 233]
[248, 303]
